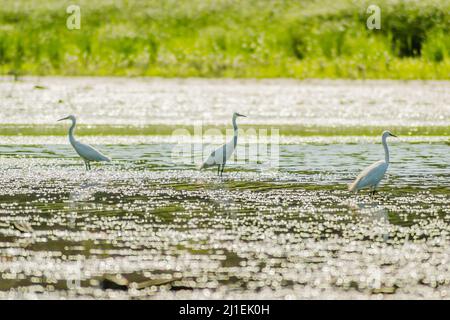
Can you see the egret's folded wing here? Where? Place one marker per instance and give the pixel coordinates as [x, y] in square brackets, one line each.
[215, 158]
[370, 176]
[90, 153]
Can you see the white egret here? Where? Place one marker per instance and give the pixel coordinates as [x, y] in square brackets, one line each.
[371, 176]
[85, 151]
[220, 156]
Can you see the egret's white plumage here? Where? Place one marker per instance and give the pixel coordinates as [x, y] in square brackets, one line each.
[221, 155]
[85, 151]
[371, 176]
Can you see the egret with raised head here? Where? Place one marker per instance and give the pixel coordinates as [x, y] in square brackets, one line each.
[85, 151]
[371, 176]
[221, 155]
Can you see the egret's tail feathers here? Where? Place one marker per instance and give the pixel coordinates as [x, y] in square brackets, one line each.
[352, 187]
[105, 158]
[204, 165]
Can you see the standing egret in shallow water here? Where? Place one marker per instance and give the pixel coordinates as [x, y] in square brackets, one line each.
[220, 156]
[371, 176]
[85, 151]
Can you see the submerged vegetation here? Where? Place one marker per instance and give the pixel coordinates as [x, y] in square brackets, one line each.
[227, 38]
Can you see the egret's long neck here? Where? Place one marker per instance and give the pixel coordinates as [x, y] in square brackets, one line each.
[235, 127]
[71, 130]
[386, 150]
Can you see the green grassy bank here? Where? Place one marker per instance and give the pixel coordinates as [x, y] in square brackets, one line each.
[165, 130]
[227, 38]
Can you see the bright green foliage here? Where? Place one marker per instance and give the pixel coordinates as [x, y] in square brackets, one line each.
[227, 38]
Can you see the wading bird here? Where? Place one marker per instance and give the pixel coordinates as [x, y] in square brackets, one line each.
[371, 176]
[220, 156]
[85, 151]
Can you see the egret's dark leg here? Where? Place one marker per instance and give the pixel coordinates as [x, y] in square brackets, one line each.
[86, 165]
[221, 171]
[375, 189]
[89, 165]
[218, 170]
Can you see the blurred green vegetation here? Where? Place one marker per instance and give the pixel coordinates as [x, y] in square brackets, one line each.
[165, 130]
[227, 38]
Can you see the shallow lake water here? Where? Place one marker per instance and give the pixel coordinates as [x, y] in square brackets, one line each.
[280, 224]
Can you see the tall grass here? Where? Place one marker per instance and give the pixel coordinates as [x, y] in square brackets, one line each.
[227, 38]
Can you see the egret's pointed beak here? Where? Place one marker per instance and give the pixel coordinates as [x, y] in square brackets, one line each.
[63, 119]
[241, 115]
[393, 135]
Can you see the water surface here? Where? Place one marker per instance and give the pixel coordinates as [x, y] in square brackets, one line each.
[281, 229]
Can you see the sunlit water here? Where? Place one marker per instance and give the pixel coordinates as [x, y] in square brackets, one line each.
[289, 230]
